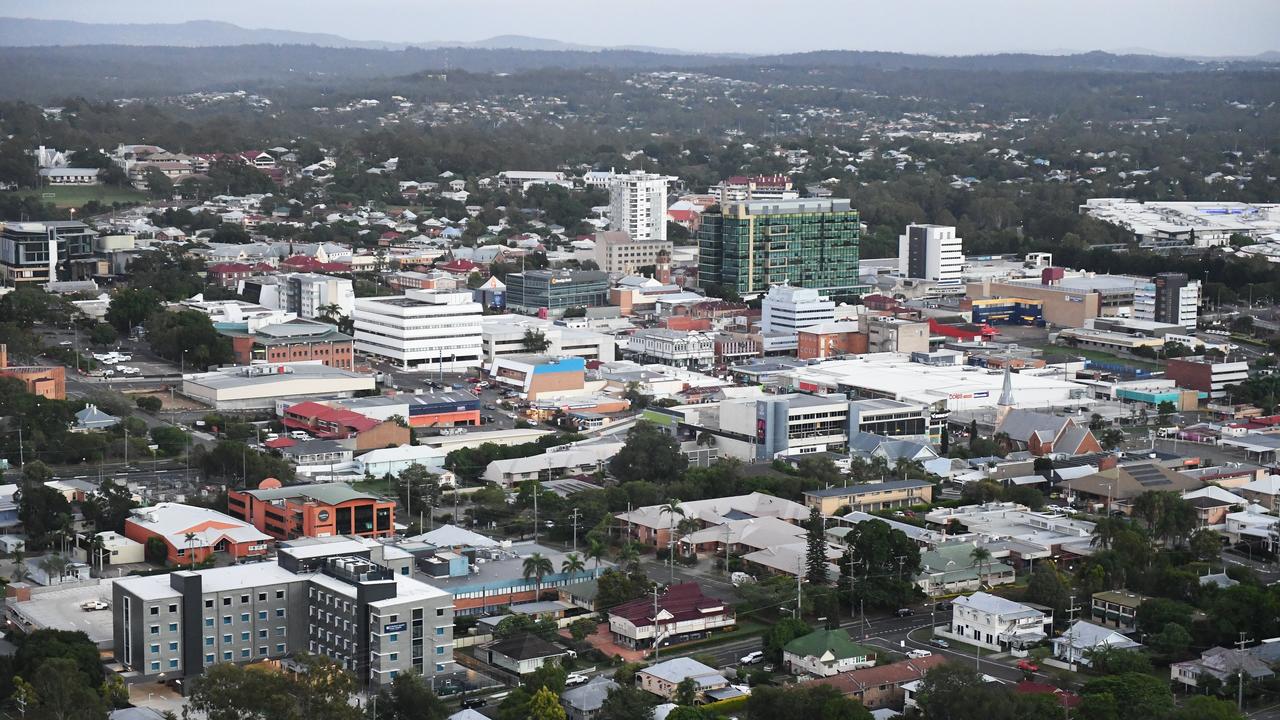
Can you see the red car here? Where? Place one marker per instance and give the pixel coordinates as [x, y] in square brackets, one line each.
[1028, 665]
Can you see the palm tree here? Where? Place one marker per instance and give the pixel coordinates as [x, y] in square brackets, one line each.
[537, 566]
[596, 550]
[97, 551]
[673, 509]
[66, 528]
[54, 566]
[687, 526]
[190, 539]
[572, 563]
[1105, 531]
[629, 555]
[981, 558]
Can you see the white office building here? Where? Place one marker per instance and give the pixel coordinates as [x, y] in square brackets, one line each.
[1169, 298]
[422, 329]
[638, 205]
[788, 309]
[931, 252]
[503, 335]
[672, 347]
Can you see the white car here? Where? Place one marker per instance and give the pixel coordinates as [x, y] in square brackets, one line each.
[65, 343]
[124, 357]
[575, 679]
[130, 370]
[752, 658]
[917, 654]
[90, 605]
[300, 435]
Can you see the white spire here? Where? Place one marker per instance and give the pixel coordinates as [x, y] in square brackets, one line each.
[1006, 392]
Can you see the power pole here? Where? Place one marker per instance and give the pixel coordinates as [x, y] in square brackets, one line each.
[655, 623]
[22, 461]
[573, 518]
[1240, 674]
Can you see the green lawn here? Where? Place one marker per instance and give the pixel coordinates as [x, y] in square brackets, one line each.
[79, 195]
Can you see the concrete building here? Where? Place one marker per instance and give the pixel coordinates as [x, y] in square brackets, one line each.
[895, 335]
[41, 252]
[749, 246]
[505, 335]
[535, 376]
[191, 534]
[617, 253]
[756, 187]
[46, 381]
[1205, 375]
[554, 291]
[261, 386]
[638, 205]
[830, 340]
[931, 252]
[422, 329]
[329, 600]
[313, 510]
[293, 341]
[786, 424]
[1193, 223]
[305, 294]
[1168, 298]
[786, 309]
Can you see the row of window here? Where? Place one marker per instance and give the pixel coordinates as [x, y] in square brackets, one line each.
[245, 654]
[244, 617]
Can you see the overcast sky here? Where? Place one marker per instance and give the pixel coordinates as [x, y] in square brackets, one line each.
[941, 27]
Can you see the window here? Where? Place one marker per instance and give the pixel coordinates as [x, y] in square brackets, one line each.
[173, 646]
[393, 637]
[394, 673]
[173, 627]
[155, 649]
[439, 650]
[173, 607]
[244, 599]
[208, 622]
[208, 659]
[226, 601]
[280, 647]
[226, 639]
[226, 619]
[279, 594]
[262, 650]
[208, 603]
[262, 596]
[262, 633]
[440, 630]
[279, 612]
[244, 635]
[208, 640]
[173, 663]
[280, 632]
[439, 612]
[155, 629]
[154, 609]
[155, 665]
[395, 656]
[226, 655]
[439, 667]
[245, 653]
[262, 614]
[244, 617]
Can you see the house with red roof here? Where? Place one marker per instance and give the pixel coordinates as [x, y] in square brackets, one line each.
[229, 274]
[458, 268]
[684, 612]
[330, 423]
[880, 686]
[306, 263]
[1065, 699]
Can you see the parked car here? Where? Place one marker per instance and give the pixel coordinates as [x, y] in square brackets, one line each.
[917, 654]
[575, 679]
[904, 612]
[943, 606]
[90, 605]
[752, 658]
[939, 642]
[65, 343]
[472, 703]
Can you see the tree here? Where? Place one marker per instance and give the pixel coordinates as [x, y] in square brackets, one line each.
[65, 693]
[885, 560]
[627, 702]
[189, 338]
[321, 691]
[1117, 661]
[44, 646]
[159, 185]
[582, 628]
[980, 558]
[1141, 696]
[1206, 545]
[781, 633]
[671, 509]
[1205, 707]
[169, 440]
[816, 568]
[614, 588]
[535, 341]
[572, 563]
[1049, 587]
[131, 307]
[1172, 641]
[649, 454]
[155, 551]
[537, 566]
[409, 698]
[596, 550]
[545, 705]
[686, 692]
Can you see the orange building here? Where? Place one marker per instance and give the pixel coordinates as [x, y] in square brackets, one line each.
[191, 534]
[320, 510]
[294, 341]
[829, 340]
[331, 423]
[47, 382]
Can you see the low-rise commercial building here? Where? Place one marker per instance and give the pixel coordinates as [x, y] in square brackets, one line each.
[314, 510]
[192, 534]
[672, 347]
[293, 341]
[683, 613]
[509, 335]
[870, 497]
[336, 423]
[1205, 375]
[422, 329]
[46, 381]
[535, 376]
[554, 291]
[260, 386]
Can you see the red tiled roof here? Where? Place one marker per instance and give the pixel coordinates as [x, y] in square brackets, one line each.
[282, 442]
[310, 264]
[684, 602]
[229, 267]
[893, 674]
[1065, 698]
[457, 266]
[338, 416]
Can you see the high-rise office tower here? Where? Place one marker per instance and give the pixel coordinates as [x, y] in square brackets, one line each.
[930, 252]
[748, 246]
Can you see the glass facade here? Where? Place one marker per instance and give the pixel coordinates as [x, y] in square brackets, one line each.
[747, 247]
[556, 290]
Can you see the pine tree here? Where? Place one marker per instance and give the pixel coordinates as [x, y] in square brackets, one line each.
[816, 554]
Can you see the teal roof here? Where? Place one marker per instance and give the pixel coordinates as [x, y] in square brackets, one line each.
[819, 642]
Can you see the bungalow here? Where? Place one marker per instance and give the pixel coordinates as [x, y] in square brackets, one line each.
[869, 497]
[584, 702]
[880, 687]
[949, 570]
[1220, 663]
[662, 679]
[825, 653]
[91, 418]
[521, 655]
[1083, 638]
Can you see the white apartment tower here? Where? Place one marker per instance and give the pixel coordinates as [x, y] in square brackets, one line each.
[638, 205]
[430, 330]
[1170, 298]
[931, 252]
[788, 309]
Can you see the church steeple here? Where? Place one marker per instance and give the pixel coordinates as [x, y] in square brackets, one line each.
[1006, 392]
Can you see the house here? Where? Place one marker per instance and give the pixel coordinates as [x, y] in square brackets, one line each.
[825, 653]
[581, 594]
[90, 418]
[584, 702]
[683, 613]
[880, 687]
[870, 497]
[1043, 434]
[661, 679]
[1264, 492]
[650, 526]
[740, 537]
[191, 534]
[1117, 608]
[1114, 487]
[521, 655]
[949, 570]
[997, 624]
[1083, 637]
[1220, 663]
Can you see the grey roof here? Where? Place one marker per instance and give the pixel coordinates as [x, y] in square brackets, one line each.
[454, 536]
[678, 669]
[589, 697]
[328, 493]
[313, 447]
[526, 647]
[1021, 425]
[92, 417]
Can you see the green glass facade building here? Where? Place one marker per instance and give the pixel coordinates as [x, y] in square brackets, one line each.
[749, 246]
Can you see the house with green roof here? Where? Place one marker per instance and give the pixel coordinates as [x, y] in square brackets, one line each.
[950, 570]
[825, 653]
